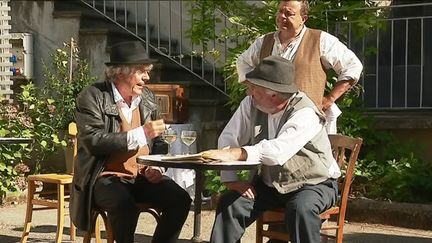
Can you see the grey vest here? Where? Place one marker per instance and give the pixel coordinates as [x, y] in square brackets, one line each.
[310, 164]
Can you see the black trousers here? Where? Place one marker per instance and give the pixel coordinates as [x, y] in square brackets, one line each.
[118, 196]
[235, 213]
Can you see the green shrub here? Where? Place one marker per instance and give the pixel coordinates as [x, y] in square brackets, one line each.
[30, 119]
[64, 78]
[41, 114]
[387, 168]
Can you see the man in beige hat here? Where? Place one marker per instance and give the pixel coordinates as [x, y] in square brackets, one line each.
[118, 120]
[282, 128]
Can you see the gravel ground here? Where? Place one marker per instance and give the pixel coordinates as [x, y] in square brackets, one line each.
[43, 230]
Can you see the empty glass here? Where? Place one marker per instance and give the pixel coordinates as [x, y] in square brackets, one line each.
[169, 136]
[188, 138]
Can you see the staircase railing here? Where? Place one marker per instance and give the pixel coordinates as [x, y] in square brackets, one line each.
[162, 26]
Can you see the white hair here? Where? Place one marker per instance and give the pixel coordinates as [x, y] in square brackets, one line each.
[112, 72]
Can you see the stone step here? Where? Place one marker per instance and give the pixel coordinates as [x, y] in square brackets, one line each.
[97, 34]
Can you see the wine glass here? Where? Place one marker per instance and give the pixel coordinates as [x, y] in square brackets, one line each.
[188, 138]
[169, 137]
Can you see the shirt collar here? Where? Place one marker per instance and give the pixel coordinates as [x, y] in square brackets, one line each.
[118, 99]
[297, 38]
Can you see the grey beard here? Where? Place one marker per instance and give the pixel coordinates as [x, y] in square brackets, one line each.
[263, 109]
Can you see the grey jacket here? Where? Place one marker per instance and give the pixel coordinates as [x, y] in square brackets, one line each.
[97, 118]
[310, 164]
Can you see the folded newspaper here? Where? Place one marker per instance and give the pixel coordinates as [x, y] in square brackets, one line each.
[199, 157]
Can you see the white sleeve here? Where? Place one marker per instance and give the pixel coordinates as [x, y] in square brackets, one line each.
[249, 59]
[236, 134]
[300, 128]
[337, 56]
[136, 138]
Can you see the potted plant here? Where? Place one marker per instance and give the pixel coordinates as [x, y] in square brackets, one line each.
[64, 79]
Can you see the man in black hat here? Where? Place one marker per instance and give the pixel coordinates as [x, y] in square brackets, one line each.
[282, 128]
[118, 120]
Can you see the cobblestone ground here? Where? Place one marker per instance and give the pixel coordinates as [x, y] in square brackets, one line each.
[43, 230]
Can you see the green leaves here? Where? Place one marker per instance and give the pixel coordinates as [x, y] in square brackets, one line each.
[41, 113]
[387, 168]
[213, 182]
[59, 91]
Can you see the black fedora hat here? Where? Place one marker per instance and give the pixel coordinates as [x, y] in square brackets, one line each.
[275, 73]
[129, 52]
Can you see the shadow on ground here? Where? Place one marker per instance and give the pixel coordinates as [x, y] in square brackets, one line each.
[46, 233]
[37, 235]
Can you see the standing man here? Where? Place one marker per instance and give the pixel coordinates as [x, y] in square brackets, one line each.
[279, 126]
[117, 121]
[313, 52]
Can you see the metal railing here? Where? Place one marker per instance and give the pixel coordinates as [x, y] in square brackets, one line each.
[397, 59]
[162, 26]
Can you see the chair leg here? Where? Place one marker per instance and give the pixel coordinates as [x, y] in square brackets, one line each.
[72, 226]
[339, 232]
[108, 228]
[259, 228]
[88, 234]
[60, 212]
[87, 237]
[97, 231]
[95, 227]
[72, 231]
[29, 211]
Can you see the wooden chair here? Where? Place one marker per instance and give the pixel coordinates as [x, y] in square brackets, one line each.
[341, 145]
[60, 180]
[109, 234]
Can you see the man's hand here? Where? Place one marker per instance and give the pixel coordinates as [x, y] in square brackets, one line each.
[153, 129]
[225, 154]
[242, 187]
[327, 102]
[339, 88]
[153, 174]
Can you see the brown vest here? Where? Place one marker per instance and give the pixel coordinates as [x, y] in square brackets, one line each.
[310, 74]
[124, 164]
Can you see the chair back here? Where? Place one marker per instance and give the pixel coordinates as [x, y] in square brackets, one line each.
[73, 131]
[345, 151]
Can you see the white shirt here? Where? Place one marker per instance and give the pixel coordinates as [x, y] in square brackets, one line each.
[334, 55]
[299, 129]
[136, 137]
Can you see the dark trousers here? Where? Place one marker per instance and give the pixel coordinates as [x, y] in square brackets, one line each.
[235, 213]
[119, 196]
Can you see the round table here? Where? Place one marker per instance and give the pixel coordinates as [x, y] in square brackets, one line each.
[199, 167]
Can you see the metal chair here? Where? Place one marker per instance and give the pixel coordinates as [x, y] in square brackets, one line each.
[60, 180]
[341, 145]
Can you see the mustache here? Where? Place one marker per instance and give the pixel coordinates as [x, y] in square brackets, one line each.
[261, 108]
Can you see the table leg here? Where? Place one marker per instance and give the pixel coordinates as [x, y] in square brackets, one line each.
[199, 183]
